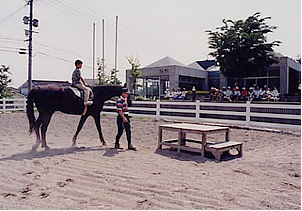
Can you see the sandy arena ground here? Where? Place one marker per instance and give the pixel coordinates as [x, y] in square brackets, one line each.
[268, 176]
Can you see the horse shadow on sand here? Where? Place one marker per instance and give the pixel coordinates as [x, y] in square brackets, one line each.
[51, 152]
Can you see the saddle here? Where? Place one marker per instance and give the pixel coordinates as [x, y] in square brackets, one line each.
[78, 92]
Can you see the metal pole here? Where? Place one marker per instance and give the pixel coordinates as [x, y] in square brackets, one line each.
[103, 41]
[30, 45]
[115, 63]
[159, 88]
[93, 54]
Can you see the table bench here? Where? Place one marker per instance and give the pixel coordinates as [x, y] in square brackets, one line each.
[218, 148]
[182, 128]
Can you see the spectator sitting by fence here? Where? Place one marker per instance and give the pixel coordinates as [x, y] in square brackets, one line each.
[244, 94]
[266, 94]
[193, 93]
[167, 94]
[251, 94]
[237, 94]
[212, 94]
[182, 95]
[217, 95]
[173, 94]
[226, 94]
[275, 95]
[177, 94]
[257, 94]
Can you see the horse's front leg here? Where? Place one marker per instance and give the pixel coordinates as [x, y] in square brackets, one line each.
[97, 120]
[80, 126]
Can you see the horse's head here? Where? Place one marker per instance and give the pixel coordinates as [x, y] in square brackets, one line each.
[105, 92]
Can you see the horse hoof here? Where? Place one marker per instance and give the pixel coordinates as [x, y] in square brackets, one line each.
[74, 146]
[34, 147]
[47, 148]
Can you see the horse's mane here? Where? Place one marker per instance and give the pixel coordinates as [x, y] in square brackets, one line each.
[105, 88]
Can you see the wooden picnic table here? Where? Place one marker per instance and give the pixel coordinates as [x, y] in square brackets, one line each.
[182, 128]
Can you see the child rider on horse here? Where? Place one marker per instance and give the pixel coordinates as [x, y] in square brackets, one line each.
[79, 82]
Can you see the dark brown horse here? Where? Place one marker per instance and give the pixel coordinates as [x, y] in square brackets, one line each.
[49, 99]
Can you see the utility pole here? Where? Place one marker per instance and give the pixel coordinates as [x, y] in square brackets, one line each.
[115, 63]
[30, 45]
[93, 53]
[103, 53]
[32, 23]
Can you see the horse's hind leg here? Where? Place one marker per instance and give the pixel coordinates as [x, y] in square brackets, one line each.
[37, 131]
[45, 123]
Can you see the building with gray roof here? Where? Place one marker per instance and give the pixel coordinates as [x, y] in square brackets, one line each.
[168, 73]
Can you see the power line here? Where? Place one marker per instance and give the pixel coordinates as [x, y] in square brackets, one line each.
[60, 50]
[7, 47]
[11, 51]
[48, 5]
[12, 14]
[88, 15]
[137, 37]
[128, 41]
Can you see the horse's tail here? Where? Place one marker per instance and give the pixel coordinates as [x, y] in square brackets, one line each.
[30, 109]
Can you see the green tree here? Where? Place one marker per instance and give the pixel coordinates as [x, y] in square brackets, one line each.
[135, 73]
[241, 48]
[112, 79]
[106, 79]
[4, 82]
[103, 79]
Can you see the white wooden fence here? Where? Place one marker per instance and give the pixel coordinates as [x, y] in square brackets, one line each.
[12, 105]
[249, 114]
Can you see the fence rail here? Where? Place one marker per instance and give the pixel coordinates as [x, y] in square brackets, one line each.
[249, 114]
[269, 115]
[12, 105]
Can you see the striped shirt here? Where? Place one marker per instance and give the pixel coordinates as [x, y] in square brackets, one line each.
[122, 105]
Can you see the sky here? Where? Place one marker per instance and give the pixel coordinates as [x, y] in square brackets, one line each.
[147, 29]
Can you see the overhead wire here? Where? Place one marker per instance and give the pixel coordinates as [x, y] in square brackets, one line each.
[93, 16]
[11, 51]
[136, 35]
[85, 17]
[12, 14]
[48, 5]
[63, 7]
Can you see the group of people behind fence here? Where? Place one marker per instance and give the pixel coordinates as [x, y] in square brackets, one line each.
[229, 94]
[175, 95]
[235, 94]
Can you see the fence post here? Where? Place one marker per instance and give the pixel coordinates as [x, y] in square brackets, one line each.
[248, 113]
[4, 105]
[197, 110]
[157, 110]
